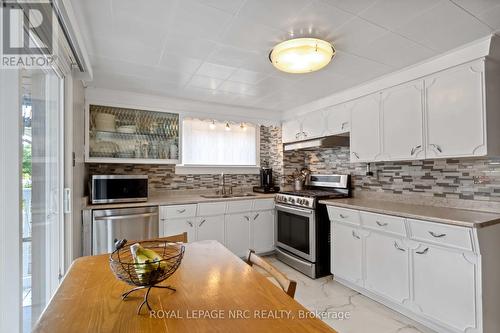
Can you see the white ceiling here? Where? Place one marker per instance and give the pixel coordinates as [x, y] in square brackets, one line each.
[217, 50]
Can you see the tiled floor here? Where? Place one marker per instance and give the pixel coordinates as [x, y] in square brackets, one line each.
[328, 296]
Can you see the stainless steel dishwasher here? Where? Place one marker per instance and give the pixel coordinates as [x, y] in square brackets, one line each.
[131, 223]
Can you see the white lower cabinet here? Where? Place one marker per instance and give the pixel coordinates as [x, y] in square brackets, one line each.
[387, 266]
[438, 285]
[177, 226]
[250, 230]
[238, 233]
[263, 226]
[210, 227]
[444, 286]
[347, 252]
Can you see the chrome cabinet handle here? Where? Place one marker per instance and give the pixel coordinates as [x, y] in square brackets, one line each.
[297, 135]
[433, 234]
[190, 223]
[437, 147]
[180, 211]
[355, 235]
[342, 216]
[201, 223]
[255, 217]
[355, 154]
[247, 218]
[382, 224]
[343, 125]
[396, 245]
[414, 149]
[304, 134]
[423, 251]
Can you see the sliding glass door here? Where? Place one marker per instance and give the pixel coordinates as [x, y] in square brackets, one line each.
[42, 176]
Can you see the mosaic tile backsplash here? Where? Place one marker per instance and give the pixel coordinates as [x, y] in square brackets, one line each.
[469, 179]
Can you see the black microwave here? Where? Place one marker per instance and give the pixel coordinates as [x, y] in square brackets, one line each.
[118, 188]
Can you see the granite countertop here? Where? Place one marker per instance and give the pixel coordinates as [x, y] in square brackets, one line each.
[175, 198]
[454, 216]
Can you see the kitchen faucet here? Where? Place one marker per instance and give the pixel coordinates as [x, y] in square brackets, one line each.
[223, 186]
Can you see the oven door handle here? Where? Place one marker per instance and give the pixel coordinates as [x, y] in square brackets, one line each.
[294, 209]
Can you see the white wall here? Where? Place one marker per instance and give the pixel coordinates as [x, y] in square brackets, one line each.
[10, 201]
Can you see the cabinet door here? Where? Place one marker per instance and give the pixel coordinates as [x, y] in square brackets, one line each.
[291, 131]
[402, 127]
[387, 264]
[455, 113]
[263, 227]
[365, 129]
[444, 286]
[238, 233]
[338, 119]
[346, 253]
[313, 125]
[210, 227]
[178, 226]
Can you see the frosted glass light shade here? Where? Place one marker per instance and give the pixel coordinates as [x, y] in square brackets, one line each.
[301, 55]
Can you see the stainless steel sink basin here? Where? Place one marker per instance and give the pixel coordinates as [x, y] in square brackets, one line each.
[236, 195]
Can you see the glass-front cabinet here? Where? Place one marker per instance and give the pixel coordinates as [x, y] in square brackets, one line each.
[125, 135]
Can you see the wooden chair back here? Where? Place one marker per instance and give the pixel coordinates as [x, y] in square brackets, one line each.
[182, 238]
[288, 286]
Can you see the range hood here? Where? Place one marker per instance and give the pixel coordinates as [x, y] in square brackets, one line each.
[333, 141]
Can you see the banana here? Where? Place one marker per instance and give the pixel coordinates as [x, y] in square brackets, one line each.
[146, 261]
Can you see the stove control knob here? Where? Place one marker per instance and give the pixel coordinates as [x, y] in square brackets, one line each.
[306, 202]
[291, 200]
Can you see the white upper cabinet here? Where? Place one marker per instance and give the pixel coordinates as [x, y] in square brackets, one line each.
[402, 113]
[456, 113]
[291, 130]
[338, 119]
[313, 125]
[365, 129]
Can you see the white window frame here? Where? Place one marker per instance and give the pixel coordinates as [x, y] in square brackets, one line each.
[199, 169]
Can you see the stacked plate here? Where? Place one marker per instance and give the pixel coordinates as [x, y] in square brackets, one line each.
[105, 122]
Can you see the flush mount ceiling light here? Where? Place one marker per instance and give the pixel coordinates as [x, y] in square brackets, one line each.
[301, 55]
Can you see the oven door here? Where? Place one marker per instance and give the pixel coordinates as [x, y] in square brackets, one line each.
[296, 231]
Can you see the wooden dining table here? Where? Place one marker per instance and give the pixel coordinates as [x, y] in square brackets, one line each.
[215, 292]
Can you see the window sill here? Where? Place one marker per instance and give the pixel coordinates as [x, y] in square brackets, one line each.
[216, 169]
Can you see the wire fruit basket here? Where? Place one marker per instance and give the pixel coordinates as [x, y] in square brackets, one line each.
[145, 275]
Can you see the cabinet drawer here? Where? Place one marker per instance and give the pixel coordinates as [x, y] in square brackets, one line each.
[344, 215]
[264, 204]
[179, 211]
[459, 237]
[239, 206]
[211, 208]
[387, 223]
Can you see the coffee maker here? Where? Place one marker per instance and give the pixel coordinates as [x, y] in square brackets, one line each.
[266, 182]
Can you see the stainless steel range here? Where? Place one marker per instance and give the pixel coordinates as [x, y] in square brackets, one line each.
[303, 227]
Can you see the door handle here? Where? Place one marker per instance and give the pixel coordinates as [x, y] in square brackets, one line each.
[382, 224]
[414, 149]
[190, 223]
[343, 125]
[342, 216]
[396, 245]
[255, 217]
[180, 211]
[201, 223]
[433, 234]
[437, 147]
[247, 218]
[423, 251]
[355, 235]
[124, 217]
[297, 135]
[355, 154]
